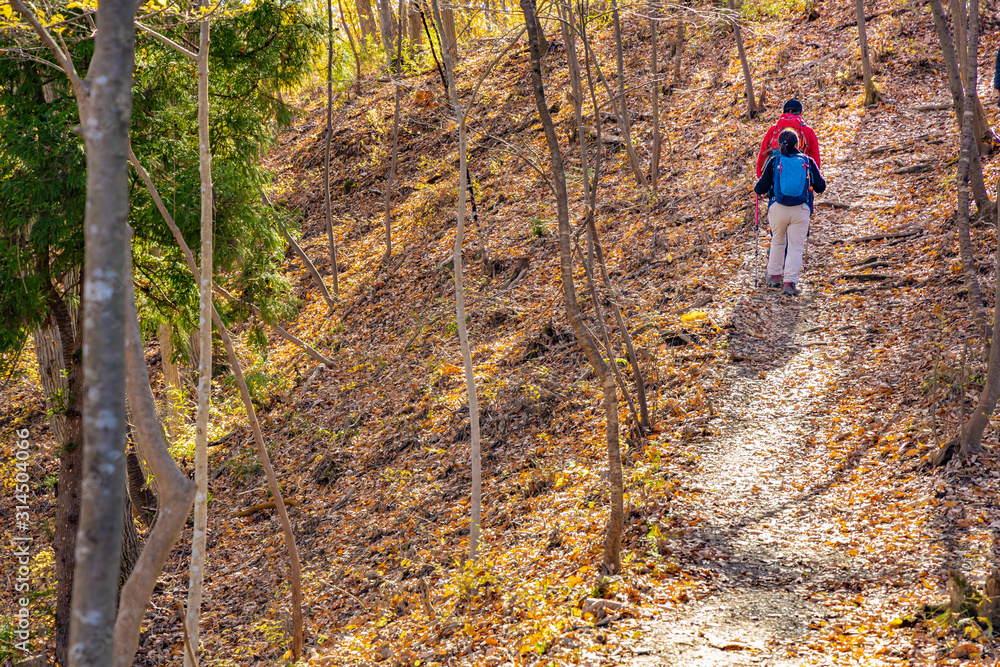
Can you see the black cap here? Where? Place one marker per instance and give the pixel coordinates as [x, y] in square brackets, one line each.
[792, 106]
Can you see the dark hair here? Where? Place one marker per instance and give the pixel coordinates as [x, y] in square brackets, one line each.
[792, 106]
[787, 141]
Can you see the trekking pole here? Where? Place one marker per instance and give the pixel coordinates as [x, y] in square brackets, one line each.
[756, 238]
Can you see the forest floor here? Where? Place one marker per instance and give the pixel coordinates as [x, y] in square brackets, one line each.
[779, 512]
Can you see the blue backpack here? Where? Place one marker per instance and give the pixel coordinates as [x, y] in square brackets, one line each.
[792, 181]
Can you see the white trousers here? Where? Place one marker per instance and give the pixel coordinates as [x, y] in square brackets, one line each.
[789, 226]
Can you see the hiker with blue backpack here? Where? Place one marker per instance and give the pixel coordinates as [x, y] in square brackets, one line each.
[790, 179]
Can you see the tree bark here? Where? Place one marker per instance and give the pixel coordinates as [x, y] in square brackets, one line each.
[654, 69]
[105, 118]
[70, 468]
[623, 117]
[390, 180]
[747, 78]
[51, 369]
[416, 29]
[171, 382]
[199, 539]
[976, 181]
[612, 544]
[872, 96]
[448, 34]
[176, 493]
[678, 52]
[972, 432]
[366, 19]
[463, 334]
[962, 222]
[385, 30]
[326, 158]
[354, 52]
[312, 267]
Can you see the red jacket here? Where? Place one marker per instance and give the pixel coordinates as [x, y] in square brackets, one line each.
[788, 120]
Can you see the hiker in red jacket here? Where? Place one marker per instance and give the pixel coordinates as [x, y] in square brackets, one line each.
[790, 119]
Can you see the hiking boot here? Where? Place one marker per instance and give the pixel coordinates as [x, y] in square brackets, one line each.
[774, 281]
[790, 289]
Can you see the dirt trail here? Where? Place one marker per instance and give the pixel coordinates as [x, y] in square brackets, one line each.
[764, 480]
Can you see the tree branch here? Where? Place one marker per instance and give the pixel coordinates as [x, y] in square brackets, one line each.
[166, 40]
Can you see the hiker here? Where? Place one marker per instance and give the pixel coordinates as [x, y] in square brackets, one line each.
[789, 179]
[791, 119]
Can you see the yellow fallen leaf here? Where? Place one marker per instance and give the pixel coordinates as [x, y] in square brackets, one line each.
[449, 369]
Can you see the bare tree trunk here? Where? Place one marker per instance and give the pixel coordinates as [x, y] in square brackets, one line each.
[678, 51]
[70, 468]
[612, 544]
[385, 29]
[448, 35]
[105, 119]
[390, 181]
[176, 493]
[747, 78]
[962, 222]
[199, 539]
[872, 96]
[416, 29]
[326, 159]
[366, 19]
[972, 433]
[51, 372]
[354, 52]
[463, 334]
[171, 382]
[654, 69]
[983, 201]
[312, 267]
[623, 118]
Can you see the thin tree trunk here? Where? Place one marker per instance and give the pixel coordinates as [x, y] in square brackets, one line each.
[976, 181]
[612, 544]
[448, 35]
[678, 51]
[872, 96]
[171, 382]
[278, 329]
[390, 181]
[199, 539]
[576, 87]
[972, 433]
[463, 334]
[326, 162]
[747, 78]
[366, 19]
[176, 492]
[354, 53]
[962, 222]
[293, 554]
[311, 267]
[654, 68]
[623, 118]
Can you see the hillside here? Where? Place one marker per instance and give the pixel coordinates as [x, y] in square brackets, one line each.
[780, 512]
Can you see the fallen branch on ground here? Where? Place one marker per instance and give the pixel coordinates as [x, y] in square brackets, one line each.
[269, 505]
